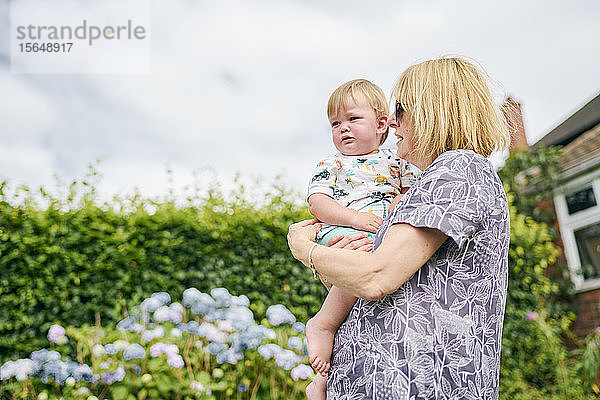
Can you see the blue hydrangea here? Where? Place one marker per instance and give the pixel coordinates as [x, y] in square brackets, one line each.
[152, 334]
[286, 359]
[111, 349]
[126, 324]
[229, 356]
[240, 317]
[203, 305]
[279, 314]
[299, 327]
[269, 350]
[241, 301]
[190, 296]
[163, 297]
[134, 351]
[295, 342]
[222, 296]
[216, 348]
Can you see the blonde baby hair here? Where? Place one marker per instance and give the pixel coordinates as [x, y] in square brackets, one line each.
[452, 108]
[355, 89]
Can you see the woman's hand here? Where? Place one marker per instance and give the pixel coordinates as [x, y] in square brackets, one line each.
[357, 241]
[301, 236]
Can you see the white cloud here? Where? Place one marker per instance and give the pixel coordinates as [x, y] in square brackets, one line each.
[241, 86]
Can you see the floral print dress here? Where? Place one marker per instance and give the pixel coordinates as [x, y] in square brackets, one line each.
[438, 336]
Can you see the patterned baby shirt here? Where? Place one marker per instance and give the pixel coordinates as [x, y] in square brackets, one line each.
[365, 183]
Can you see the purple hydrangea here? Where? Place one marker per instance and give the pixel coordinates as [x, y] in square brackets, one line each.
[175, 361]
[302, 371]
[113, 376]
[299, 327]
[55, 333]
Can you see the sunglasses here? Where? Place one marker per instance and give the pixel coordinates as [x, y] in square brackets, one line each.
[399, 111]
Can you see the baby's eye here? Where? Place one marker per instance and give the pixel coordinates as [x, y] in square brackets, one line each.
[334, 124]
[354, 118]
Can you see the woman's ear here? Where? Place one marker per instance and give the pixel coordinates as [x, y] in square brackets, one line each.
[382, 125]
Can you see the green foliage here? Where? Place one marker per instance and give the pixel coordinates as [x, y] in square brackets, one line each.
[66, 258]
[531, 177]
[535, 363]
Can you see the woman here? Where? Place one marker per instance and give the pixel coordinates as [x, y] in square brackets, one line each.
[428, 323]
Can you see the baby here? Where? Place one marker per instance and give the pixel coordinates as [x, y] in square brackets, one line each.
[350, 192]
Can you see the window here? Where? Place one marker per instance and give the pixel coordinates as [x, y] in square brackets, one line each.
[588, 245]
[580, 200]
[578, 211]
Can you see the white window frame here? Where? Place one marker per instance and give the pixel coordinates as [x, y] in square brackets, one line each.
[569, 223]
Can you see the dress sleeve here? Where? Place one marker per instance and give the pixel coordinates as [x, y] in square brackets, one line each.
[324, 178]
[452, 195]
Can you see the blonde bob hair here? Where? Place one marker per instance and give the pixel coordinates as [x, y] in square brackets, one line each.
[359, 90]
[451, 108]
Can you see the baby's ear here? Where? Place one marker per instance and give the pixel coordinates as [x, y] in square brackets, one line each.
[382, 125]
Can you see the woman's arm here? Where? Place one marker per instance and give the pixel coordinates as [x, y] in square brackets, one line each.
[368, 275]
[327, 210]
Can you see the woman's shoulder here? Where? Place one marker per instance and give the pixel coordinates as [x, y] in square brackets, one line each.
[461, 162]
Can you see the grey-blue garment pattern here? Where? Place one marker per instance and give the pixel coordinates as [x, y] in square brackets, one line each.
[438, 336]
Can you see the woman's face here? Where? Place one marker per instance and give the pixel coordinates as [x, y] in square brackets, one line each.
[404, 132]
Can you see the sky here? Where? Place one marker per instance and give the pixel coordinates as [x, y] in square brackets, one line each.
[240, 87]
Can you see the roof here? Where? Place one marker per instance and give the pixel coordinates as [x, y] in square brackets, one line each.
[581, 121]
[582, 150]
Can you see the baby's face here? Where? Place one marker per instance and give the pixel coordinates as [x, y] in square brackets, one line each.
[356, 131]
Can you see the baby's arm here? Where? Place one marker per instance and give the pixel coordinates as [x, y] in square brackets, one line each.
[327, 210]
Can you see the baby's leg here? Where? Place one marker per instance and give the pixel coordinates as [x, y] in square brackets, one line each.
[317, 389]
[320, 329]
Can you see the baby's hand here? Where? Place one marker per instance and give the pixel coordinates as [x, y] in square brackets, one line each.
[366, 221]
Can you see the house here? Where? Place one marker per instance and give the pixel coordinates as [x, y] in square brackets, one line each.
[577, 206]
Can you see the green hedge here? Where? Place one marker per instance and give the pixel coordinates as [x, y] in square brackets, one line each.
[75, 261]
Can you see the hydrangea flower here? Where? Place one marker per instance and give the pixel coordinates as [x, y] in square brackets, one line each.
[152, 334]
[203, 304]
[229, 356]
[286, 359]
[175, 332]
[279, 314]
[175, 361]
[162, 314]
[302, 371]
[113, 376]
[299, 327]
[216, 348]
[134, 351]
[268, 350]
[295, 342]
[98, 350]
[190, 296]
[130, 324]
[20, 369]
[111, 349]
[222, 296]
[55, 333]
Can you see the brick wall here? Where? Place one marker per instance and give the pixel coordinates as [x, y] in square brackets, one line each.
[588, 312]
